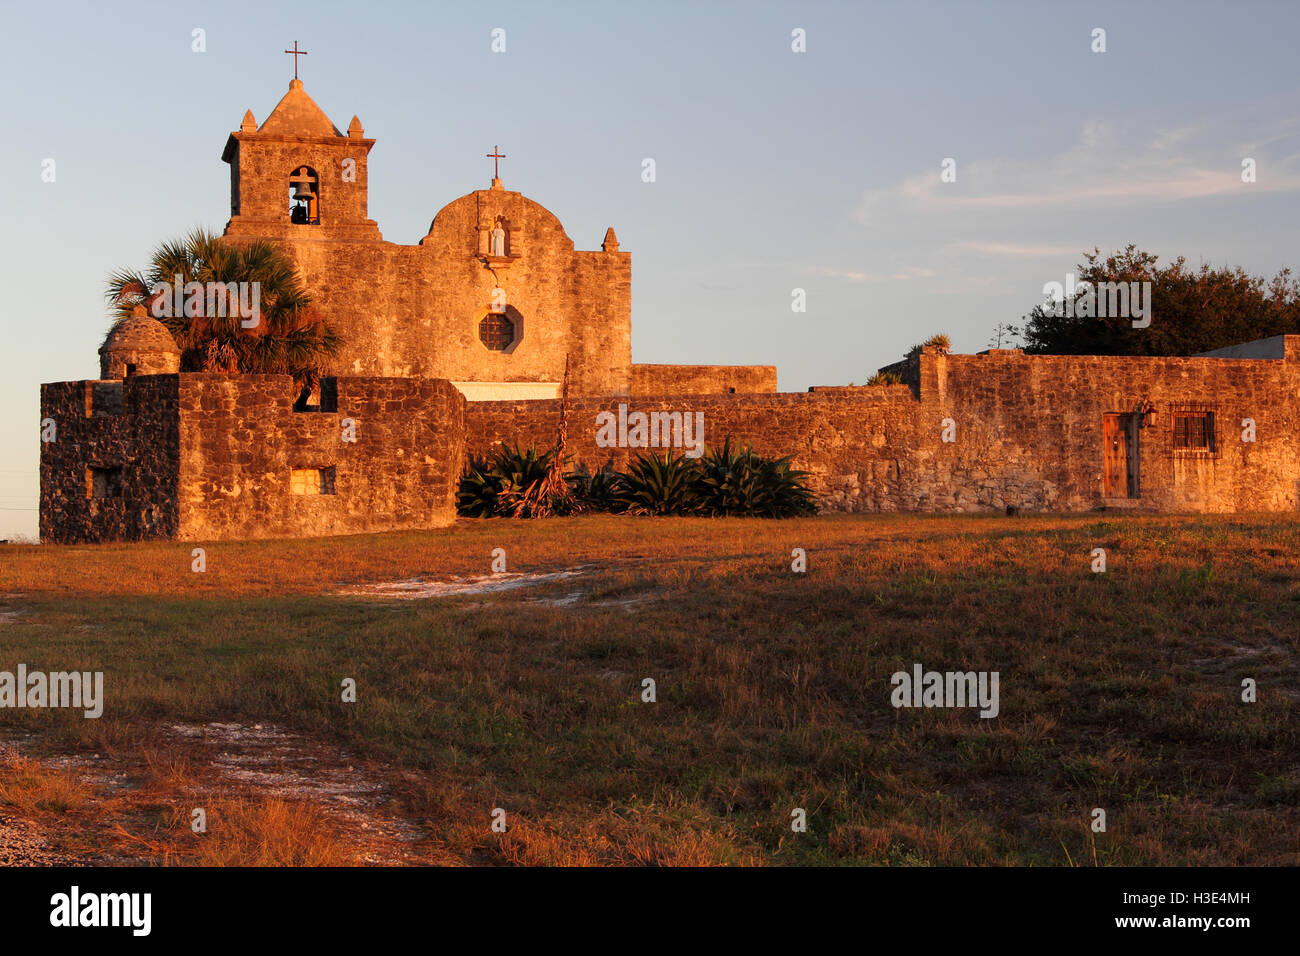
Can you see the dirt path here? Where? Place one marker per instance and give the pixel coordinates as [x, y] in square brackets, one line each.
[210, 766]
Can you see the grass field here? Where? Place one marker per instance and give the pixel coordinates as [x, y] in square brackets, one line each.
[1120, 690]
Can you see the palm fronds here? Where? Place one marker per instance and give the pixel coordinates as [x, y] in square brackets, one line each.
[290, 336]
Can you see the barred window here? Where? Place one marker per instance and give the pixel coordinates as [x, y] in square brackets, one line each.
[1194, 431]
[496, 331]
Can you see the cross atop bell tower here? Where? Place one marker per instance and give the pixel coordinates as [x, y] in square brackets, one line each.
[296, 53]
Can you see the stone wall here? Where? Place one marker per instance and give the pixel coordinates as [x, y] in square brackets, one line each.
[240, 441]
[204, 457]
[1028, 430]
[1040, 418]
[208, 457]
[130, 427]
[702, 379]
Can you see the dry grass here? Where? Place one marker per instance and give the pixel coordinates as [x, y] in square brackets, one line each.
[33, 789]
[269, 833]
[1119, 690]
[86, 815]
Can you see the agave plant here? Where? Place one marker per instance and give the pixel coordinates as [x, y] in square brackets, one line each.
[478, 491]
[515, 483]
[290, 337]
[885, 378]
[509, 483]
[659, 486]
[728, 481]
[742, 482]
[597, 491]
[788, 496]
[520, 474]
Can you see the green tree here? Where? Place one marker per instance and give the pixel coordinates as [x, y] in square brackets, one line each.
[1192, 310]
[290, 337]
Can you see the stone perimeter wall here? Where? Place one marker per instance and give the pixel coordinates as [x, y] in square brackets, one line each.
[205, 457]
[209, 457]
[131, 425]
[240, 440]
[702, 379]
[1028, 430]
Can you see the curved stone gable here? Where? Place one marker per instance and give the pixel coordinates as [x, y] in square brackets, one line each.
[461, 224]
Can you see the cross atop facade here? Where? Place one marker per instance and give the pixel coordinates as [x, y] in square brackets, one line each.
[496, 156]
[296, 53]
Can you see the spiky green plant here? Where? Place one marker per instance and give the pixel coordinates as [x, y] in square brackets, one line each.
[479, 489]
[885, 378]
[509, 483]
[742, 482]
[939, 341]
[597, 491]
[659, 486]
[512, 482]
[291, 337]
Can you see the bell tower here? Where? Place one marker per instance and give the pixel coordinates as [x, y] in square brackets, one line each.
[296, 176]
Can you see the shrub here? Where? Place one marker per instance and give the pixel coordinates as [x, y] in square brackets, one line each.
[476, 496]
[597, 492]
[940, 341]
[885, 378]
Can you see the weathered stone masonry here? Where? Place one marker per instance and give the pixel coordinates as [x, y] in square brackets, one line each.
[1029, 433]
[207, 456]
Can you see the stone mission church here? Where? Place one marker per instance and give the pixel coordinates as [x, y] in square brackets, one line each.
[492, 298]
[458, 344]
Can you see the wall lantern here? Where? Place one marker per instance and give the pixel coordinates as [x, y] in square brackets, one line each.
[1148, 413]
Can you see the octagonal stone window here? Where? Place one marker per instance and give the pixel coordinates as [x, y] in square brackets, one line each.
[497, 331]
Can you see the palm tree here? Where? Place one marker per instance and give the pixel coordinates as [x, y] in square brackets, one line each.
[291, 336]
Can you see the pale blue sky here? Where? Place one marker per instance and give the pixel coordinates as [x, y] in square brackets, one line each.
[776, 170]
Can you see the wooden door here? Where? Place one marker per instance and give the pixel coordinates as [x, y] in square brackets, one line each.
[1120, 474]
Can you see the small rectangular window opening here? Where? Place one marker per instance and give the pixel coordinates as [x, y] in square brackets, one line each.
[103, 482]
[312, 481]
[322, 396]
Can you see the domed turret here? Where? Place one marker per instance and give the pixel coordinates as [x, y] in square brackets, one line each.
[138, 346]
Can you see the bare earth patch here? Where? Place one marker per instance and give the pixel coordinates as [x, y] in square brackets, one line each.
[263, 760]
[415, 589]
[22, 844]
[212, 766]
[580, 599]
[9, 613]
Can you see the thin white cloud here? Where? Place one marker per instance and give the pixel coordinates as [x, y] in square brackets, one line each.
[1013, 249]
[850, 275]
[1107, 164]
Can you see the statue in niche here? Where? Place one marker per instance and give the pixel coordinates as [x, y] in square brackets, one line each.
[498, 240]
